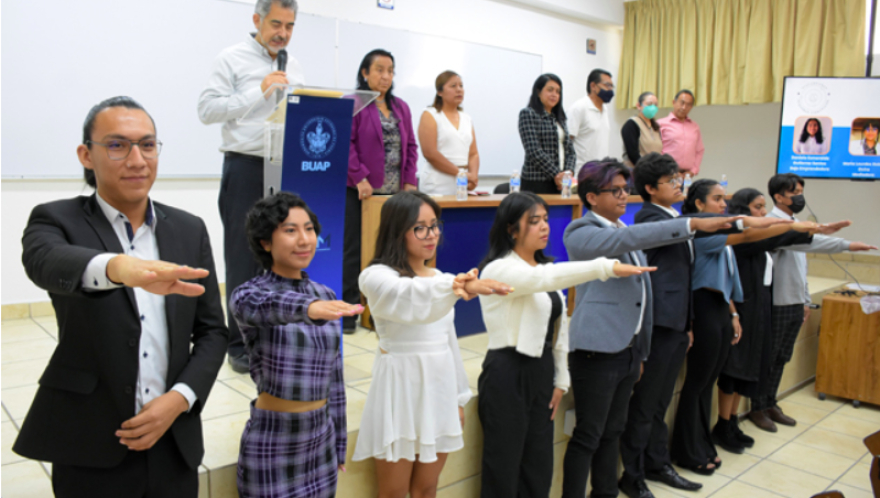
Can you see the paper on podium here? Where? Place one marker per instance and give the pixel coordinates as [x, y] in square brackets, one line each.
[273, 107]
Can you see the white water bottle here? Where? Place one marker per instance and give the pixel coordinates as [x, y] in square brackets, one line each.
[514, 181]
[687, 183]
[724, 183]
[566, 184]
[461, 184]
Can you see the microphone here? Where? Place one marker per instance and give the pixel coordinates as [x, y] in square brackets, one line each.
[282, 60]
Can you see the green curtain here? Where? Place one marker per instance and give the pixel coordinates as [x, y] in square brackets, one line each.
[736, 51]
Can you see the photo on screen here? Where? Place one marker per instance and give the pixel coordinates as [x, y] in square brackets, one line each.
[863, 137]
[812, 135]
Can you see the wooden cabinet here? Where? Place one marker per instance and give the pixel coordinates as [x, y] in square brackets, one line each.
[848, 365]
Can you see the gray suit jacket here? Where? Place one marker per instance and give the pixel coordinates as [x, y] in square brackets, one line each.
[790, 267]
[607, 313]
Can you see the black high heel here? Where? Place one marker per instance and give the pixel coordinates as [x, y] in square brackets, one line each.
[703, 470]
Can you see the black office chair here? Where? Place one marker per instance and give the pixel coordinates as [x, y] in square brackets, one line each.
[502, 188]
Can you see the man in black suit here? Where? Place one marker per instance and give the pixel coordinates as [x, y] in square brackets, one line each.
[644, 443]
[117, 410]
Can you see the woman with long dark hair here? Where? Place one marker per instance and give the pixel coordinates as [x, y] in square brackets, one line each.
[525, 372]
[448, 140]
[548, 146]
[716, 327]
[381, 160]
[295, 440]
[811, 140]
[414, 413]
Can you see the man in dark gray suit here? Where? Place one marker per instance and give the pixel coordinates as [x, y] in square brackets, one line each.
[612, 322]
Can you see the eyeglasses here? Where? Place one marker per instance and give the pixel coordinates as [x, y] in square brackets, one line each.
[617, 191]
[120, 148]
[422, 232]
[675, 182]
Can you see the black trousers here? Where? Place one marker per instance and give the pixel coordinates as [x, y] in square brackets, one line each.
[515, 392]
[159, 472]
[713, 331]
[351, 253]
[539, 186]
[602, 385]
[645, 441]
[785, 325]
[240, 188]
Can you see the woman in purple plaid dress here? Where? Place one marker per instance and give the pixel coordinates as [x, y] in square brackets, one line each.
[294, 443]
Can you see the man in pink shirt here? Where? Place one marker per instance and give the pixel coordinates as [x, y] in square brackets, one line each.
[681, 135]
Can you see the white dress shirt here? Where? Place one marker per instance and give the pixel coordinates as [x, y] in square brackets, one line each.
[234, 87]
[637, 261]
[153, 352]
[591, 131]
[675, 214]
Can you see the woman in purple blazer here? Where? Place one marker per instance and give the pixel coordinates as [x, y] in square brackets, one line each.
[381, 160]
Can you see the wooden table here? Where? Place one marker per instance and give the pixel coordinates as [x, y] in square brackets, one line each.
[465, 239]
[848, 365]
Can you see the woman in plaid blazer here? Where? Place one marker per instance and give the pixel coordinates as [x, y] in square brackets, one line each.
[548, 147]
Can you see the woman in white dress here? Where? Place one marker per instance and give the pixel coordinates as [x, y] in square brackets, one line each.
[811, 140]
[447, 138]
[413, 415]
[525, 372]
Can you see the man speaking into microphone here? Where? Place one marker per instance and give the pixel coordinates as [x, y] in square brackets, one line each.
[239, 79]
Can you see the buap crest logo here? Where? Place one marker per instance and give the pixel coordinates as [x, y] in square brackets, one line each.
[318, 137]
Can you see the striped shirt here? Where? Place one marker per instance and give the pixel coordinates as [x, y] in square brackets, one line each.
[292, 356]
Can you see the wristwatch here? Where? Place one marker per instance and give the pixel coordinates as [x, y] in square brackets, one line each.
[734, 315]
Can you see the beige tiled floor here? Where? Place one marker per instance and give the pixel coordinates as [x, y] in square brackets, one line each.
[824, 451]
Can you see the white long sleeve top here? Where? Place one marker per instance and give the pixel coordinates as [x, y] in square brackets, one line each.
[520, 318]
[414, 314]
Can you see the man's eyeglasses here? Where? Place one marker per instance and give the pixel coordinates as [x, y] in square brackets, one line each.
[120, 148]
[617, 192]
[422, 231]
[675, 182]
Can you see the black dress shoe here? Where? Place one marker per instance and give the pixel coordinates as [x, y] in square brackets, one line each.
[741, 436]
[239, 363]
[634, 488]
[722, 435]
[668, 476]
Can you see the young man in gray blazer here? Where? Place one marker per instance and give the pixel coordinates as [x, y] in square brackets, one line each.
[791, 296]
[610, 332]
[117, 410]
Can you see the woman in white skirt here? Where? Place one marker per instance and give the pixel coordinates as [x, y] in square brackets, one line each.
[413, 416]
[447, 139]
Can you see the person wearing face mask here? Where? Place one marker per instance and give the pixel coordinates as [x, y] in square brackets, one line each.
[588, 122]
[542, 129]
[239, 79]
[791, 296]
[446, 134]
[641, 133]
[867, 146]
[681, 135]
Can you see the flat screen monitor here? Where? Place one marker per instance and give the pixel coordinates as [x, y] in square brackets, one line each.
[829, 128]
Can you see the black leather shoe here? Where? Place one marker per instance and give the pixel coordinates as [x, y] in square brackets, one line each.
[239, 363]
[668, 476]
[741, 436]
[634, 488]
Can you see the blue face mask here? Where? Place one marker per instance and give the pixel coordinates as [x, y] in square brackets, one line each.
[649, 111]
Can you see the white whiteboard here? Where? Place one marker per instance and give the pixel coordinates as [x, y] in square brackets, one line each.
[497, 83]
[160, 53]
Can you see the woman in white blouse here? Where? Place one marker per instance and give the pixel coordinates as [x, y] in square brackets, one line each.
[525, 372]
[413, 416]
[447, 139]
[811, 140]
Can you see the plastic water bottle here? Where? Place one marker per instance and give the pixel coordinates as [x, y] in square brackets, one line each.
[514, 181]
[724, 183]
[566, 184]
[687, 183]
[461, 184]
